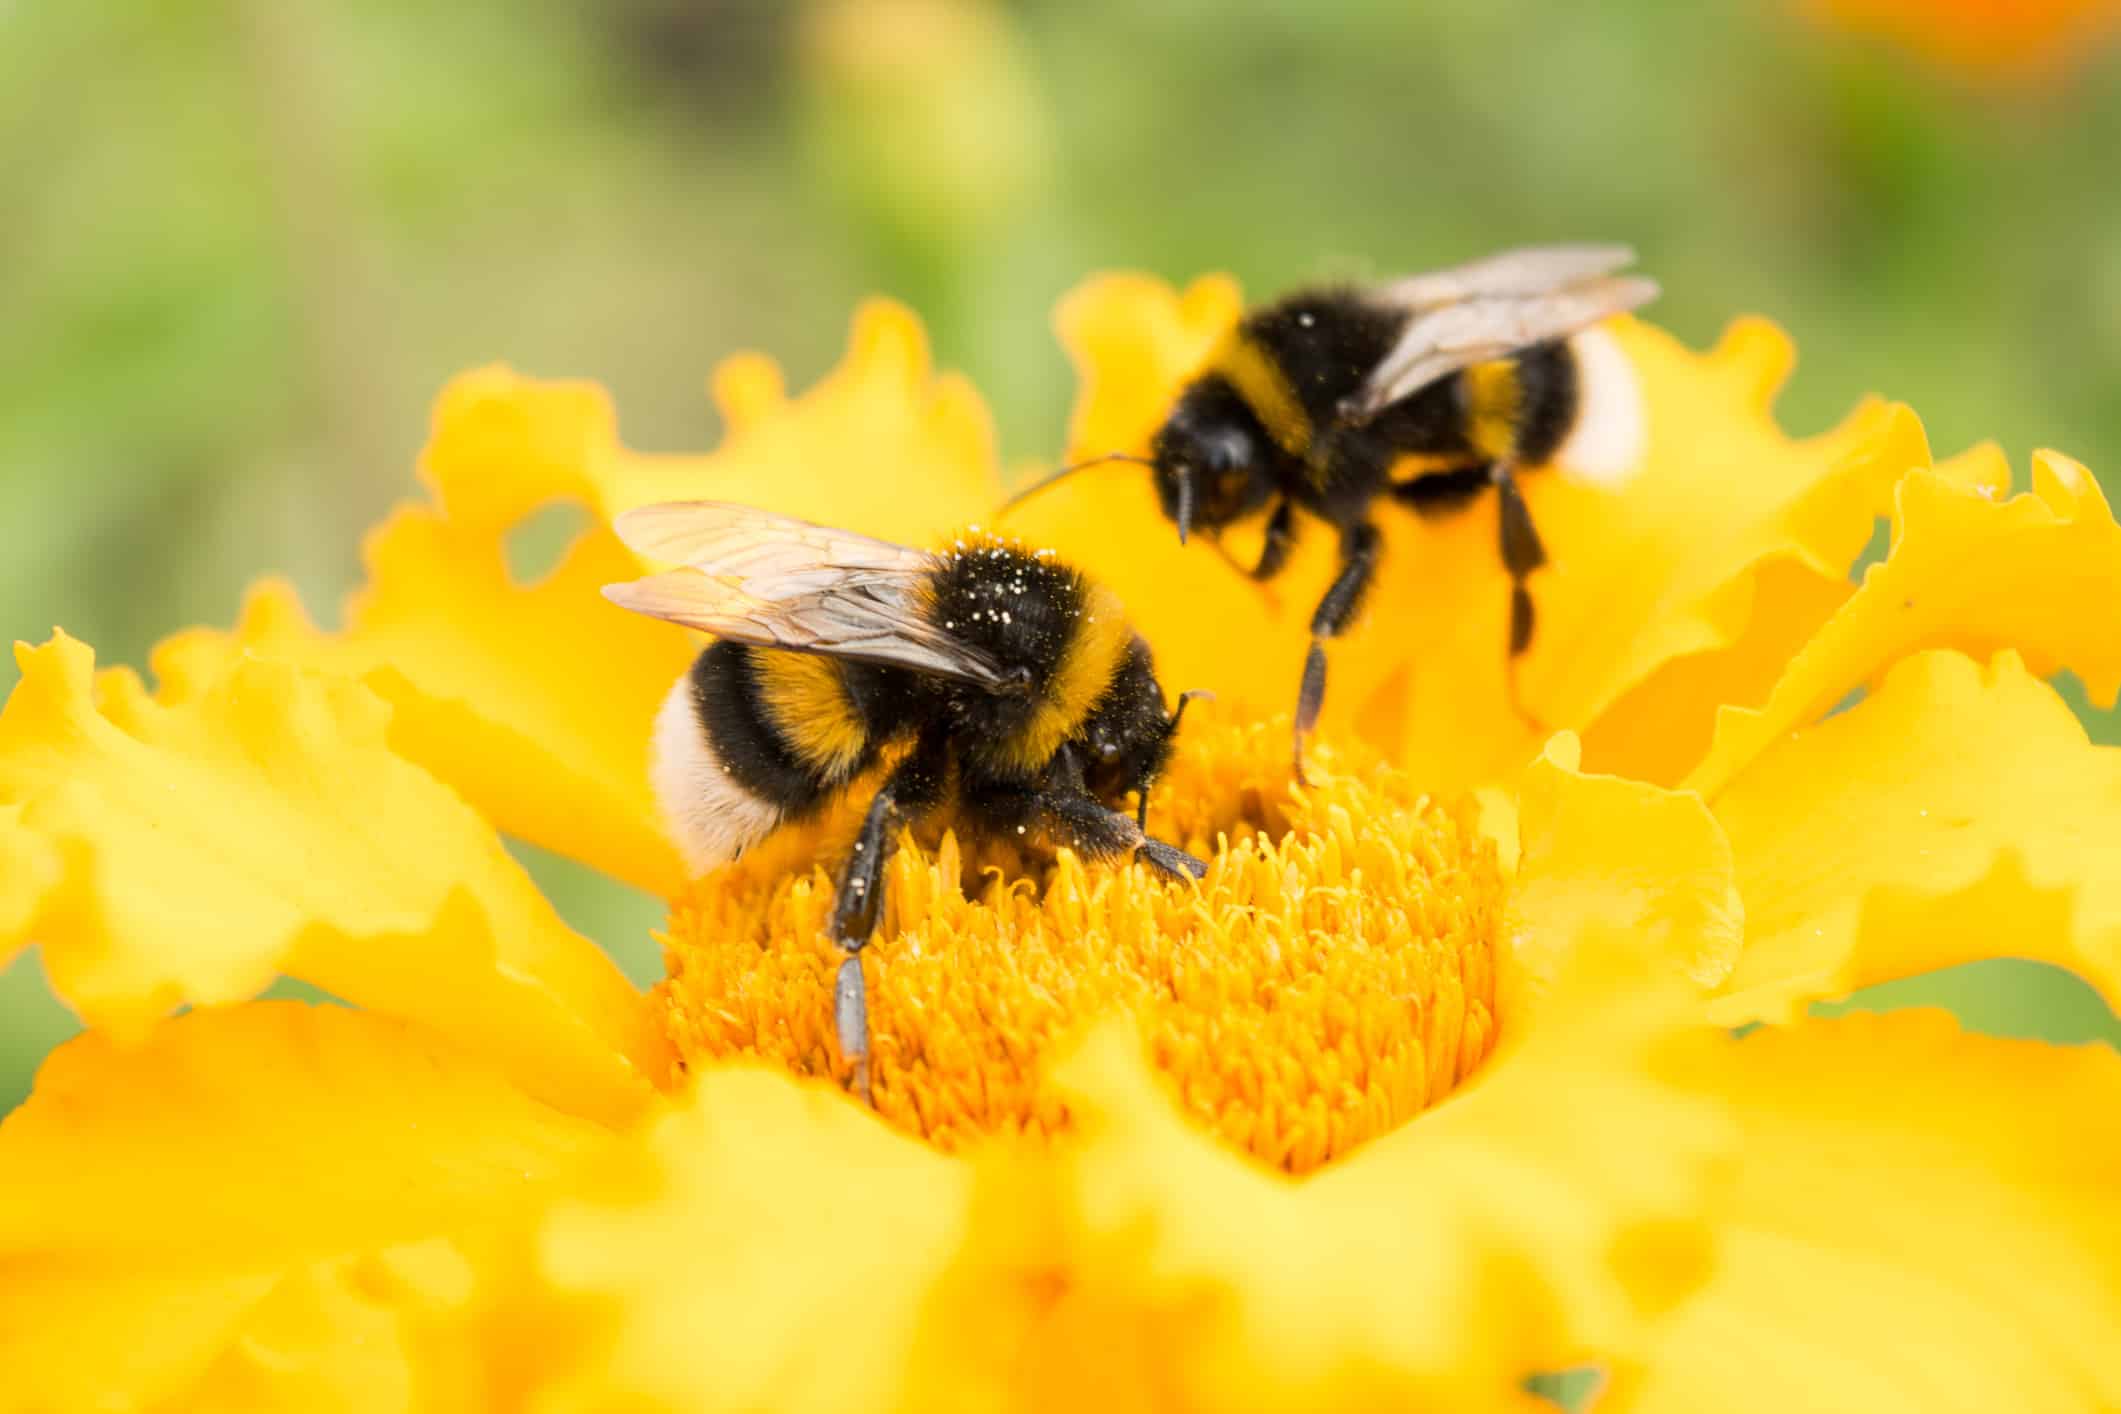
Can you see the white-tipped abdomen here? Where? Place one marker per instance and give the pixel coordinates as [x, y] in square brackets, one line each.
[1611, 434]
[710, 816]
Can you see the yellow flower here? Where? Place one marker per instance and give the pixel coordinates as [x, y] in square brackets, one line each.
[1417, 1094]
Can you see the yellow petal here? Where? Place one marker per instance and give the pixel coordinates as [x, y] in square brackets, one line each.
[501, 446]
[1549, 1207]
[768, 1245]
[1923, 1221]
[339, 1333]
[1622, 855]
[267, 828]
[1662, 726]
[1134, 341]
[29, 870]
[883, 444]
[536, 701]
[111, 1335]
[245, 1137]
[1957, 812]
[1725, 545]
[335, 1335]
[2039, 573]
[172, 1215]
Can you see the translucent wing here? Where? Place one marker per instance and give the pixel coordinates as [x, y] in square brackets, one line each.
[1492, 308]
[732, 539]
[1529, 270]
[777, 582]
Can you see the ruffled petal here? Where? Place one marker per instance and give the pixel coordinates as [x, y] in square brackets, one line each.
[1924, 1221]
[1547, 1209]
[767, 1245]
[2039, 573]
[258, 1135]
[1958, 812]
[113, 1336]
[186, 1217]
[883, 444]
[1661, 728]
[1724, 545]
[265, 828]
[1606, 852]
[1134, 341]
[29, 870]
[341, 1334]
[536, 701]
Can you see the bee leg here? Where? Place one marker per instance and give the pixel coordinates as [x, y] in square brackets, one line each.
[1522, 553]
[1094, 832]
[1065, 814]
[913, 786]
[1280, 539]
[1360, 546]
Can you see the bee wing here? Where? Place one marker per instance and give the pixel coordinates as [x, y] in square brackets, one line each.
[726, 538]
[1441, 338]
[777, 582]
[1529, 270]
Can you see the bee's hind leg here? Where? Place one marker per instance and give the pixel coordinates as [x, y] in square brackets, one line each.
[912, 788]
[1360, 546]
[1522, 553]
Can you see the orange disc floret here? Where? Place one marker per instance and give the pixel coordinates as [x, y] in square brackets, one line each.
[1330, 977]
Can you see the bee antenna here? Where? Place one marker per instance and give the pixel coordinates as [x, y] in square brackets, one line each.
[1065, 472]
[1185, 502]
[1177, 716]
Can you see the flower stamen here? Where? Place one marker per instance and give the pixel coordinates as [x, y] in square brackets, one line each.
[1330, 978]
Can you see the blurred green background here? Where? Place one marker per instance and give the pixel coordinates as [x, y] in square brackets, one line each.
[247, 240]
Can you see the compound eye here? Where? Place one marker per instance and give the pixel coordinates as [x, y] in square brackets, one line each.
[1108, 751]
[1226, 451]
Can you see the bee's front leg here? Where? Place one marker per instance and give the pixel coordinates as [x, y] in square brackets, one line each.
[1280, 539]
[1360, 548]
[913, 787]
[1522, 552]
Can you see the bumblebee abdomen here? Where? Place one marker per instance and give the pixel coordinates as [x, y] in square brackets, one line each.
[813, 713]
[1546, 400]
[751, 738]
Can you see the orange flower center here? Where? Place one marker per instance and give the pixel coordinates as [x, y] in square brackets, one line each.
[1331, 977]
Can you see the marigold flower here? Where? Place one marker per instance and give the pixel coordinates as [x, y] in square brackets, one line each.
[1420, 1092]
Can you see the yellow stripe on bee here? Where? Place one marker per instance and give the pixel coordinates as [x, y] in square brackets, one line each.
[1087, 666]
[1412, 466]
[806, 696]
[1494, 399]
[1266, 390]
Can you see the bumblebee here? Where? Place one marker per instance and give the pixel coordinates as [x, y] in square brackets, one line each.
[1425, 390]
[1014, 685]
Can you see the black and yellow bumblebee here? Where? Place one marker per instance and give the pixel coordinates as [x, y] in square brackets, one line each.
[1426, 390]
[1015, 685]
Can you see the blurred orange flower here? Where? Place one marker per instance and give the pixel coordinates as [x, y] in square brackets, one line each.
[1995, 38]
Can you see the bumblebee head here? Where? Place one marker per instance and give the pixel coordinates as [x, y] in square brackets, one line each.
[1211, 467]
[1127, 737]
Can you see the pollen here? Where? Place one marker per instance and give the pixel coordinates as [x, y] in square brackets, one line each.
[1332, 976]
